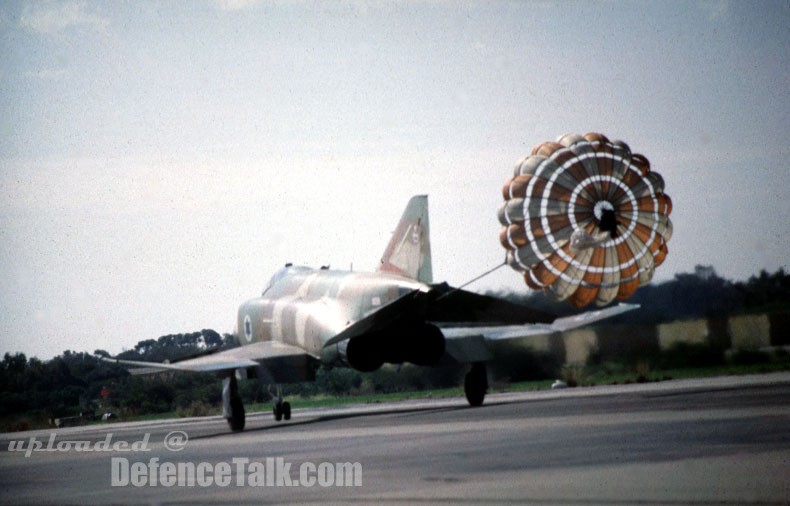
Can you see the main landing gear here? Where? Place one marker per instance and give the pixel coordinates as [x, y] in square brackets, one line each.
[281, 409]
[476, 384]
[232, 406]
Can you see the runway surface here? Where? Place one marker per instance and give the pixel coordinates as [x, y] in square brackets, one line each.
[711, 441]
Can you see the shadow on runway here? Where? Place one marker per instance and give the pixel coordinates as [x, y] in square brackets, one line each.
[335, 417]
[355, 414]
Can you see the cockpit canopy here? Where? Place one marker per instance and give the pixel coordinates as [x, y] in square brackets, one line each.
[284, 272]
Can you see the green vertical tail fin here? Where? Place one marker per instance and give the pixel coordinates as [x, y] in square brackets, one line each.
[409, 251]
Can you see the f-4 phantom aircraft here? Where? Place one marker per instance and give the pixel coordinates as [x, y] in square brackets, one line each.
[306, 318]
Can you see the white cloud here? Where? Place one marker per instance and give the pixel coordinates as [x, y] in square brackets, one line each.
[52, 17]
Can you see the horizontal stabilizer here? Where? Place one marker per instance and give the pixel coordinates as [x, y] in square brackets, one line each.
[469, 344]
[451, 305]
[579, 320]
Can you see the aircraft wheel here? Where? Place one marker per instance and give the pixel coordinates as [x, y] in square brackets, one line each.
[278, 411]
[476, 385]
[286, 409]
[236, 420]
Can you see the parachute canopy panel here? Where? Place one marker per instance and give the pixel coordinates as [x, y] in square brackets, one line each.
[585, 219]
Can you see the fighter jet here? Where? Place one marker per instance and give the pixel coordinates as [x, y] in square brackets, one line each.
[307, 318]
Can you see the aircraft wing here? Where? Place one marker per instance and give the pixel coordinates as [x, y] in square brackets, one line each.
[251, 355]
[470, 343]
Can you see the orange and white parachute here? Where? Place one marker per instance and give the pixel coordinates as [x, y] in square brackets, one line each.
[585, 219]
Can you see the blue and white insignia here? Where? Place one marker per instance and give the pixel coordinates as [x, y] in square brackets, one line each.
[248, 328]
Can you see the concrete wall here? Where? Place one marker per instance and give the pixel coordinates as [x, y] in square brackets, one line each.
[745, 332]
[579, 344]
[689, 332]
[750, 332]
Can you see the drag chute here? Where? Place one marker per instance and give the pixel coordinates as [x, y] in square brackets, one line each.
[585, 219]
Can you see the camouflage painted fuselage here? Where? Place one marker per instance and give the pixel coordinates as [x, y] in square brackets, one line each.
[306, 307]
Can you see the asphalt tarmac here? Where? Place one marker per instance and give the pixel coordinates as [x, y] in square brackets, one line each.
[711, 441]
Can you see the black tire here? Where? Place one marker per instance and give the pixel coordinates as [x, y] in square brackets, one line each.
[278, 412]
[286, 410]
[475, 386]
[236, 420]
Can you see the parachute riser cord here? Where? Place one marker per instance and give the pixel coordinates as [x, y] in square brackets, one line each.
[481, 276]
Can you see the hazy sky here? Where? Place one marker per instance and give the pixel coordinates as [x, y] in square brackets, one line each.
[159, 160]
